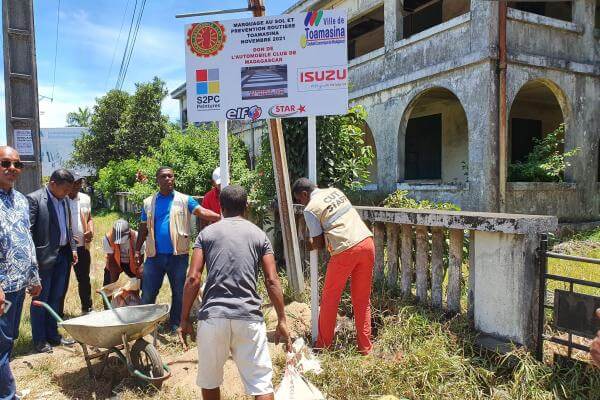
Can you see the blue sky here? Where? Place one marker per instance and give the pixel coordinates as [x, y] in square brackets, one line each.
[88, 34]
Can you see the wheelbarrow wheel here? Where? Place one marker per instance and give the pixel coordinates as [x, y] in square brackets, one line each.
[145, 358]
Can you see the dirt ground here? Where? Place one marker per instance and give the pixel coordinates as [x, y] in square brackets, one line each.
[63, 374]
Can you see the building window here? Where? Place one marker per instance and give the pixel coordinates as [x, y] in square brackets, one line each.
[184, 118]
[370, 141]
[366, 34]
[534, 113]
[423, 148]
[597, 17]
[420, 15]
[562, 10]
[436, 139]
[524, 133]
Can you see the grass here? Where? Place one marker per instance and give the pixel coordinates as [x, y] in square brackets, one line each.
[419, 353]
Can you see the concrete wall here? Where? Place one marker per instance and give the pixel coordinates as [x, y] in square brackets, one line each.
[388, 114]
[461, 55]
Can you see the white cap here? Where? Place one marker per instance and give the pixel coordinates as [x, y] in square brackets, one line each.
[216, 177]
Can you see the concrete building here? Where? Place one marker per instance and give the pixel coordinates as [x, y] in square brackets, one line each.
[453, 97]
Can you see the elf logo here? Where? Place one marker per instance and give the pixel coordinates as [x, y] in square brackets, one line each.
[322, 78]
[253, 113]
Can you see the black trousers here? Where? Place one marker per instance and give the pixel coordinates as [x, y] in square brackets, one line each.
[82, 272]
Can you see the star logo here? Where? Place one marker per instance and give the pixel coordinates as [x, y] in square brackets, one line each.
[301, 109]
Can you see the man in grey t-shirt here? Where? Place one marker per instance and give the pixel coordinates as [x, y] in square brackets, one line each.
[230, 320]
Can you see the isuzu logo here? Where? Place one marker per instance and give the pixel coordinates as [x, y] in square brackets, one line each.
[322, 78]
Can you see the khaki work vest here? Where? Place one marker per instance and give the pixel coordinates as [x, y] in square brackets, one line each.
[179, 224]
[341, 223]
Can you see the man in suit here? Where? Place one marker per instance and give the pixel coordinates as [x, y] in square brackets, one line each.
[56, 251]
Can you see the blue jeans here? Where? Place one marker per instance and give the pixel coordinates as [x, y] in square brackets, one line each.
[155, 269]
[54, 284]
[9, 332]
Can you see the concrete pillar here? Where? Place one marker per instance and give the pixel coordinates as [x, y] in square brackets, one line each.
[384, 119]
[506, 292]
[392, 12]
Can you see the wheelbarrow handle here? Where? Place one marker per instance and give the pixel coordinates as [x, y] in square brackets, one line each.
[105, 298]
[38, 303]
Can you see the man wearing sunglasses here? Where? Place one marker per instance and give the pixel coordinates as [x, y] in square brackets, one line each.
[56, 251]
[18, 265]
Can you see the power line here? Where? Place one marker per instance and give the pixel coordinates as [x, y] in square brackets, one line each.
[137, 28]
[117, 43]
[55, 50]
[127, 43]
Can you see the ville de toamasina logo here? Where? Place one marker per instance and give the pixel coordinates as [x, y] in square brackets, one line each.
[321, 30]
[206, 39]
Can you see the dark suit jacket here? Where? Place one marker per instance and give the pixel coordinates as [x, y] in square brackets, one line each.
[45, 229]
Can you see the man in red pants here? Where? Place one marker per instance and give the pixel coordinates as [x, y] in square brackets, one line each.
[332, 220]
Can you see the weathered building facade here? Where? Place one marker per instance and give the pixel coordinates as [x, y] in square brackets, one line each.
[429, 74]
[455, 93]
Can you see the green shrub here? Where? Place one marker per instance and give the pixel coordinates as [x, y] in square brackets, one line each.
[400, 199]
[546, 162]
[343, 159]
[192, 154]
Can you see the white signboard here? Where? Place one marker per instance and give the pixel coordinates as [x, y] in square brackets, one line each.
[269, 67]
[57, 146]
[24, 142]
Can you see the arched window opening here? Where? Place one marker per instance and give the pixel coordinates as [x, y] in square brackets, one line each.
[436, 139]
[534, 114]
[370, 141]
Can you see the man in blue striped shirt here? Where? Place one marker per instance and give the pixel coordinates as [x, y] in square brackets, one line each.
[18, 265]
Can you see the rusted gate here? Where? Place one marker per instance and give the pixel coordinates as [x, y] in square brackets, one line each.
[573, 312]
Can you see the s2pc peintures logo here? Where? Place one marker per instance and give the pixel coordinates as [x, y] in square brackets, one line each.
[208, 90]
[321, 30]
[243, 113]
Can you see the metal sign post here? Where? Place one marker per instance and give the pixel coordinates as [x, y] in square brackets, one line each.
[314, 254]
[223, 154]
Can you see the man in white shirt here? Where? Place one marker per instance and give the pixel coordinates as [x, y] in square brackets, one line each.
[119, 246]
[83, 231]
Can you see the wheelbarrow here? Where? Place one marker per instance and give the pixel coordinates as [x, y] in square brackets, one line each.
[112, 331]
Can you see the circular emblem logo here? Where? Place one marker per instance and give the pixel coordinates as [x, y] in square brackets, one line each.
[206, 39]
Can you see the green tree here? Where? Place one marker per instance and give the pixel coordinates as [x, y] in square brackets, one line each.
[142, 124]
[81, 117]
[123, 126]
[96, 148]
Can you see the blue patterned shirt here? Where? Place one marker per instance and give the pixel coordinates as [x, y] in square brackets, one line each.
[18, 264]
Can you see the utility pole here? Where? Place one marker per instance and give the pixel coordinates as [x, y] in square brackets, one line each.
[21, 89]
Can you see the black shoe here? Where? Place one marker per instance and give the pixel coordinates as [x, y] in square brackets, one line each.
[43, 347]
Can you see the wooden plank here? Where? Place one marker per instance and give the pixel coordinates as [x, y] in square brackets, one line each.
[437, 266]
[471, 282]
[454, 264]
[286, 211]
[378, 233]
[392, 231]
[407, 259]
[422, 263]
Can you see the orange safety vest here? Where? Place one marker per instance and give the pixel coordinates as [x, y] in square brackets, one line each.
[117, 255]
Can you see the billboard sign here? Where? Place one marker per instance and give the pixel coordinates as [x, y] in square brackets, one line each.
[269, 67]
[57, 146]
